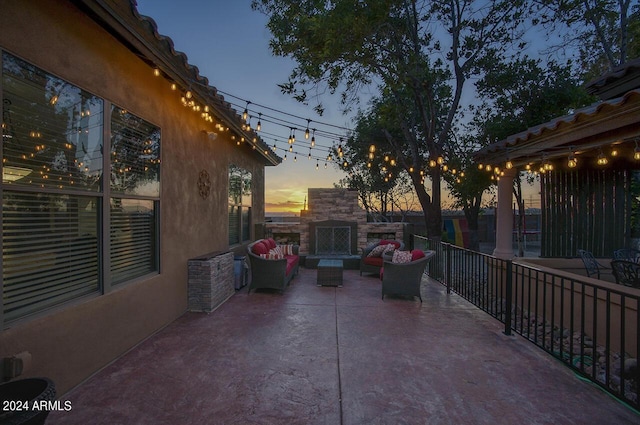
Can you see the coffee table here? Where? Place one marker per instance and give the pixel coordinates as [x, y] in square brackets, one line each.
[330, 273]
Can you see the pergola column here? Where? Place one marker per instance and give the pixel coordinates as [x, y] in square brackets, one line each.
[504, 222]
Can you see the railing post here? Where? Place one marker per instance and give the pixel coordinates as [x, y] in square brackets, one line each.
[447, 248]
[508, 298]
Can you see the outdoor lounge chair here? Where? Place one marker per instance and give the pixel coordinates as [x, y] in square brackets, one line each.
[627, 273]
[405, 278]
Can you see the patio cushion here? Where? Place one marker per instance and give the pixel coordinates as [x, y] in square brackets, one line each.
[259, 248]
[270, 243]
[275, 254]
[396, 244]
[401, 257]
[379, 250]
[287, 249]
[374, 261]
[292, 262]
[417, 254]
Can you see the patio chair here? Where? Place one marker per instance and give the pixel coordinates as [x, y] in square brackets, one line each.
[627, 273]
[591, 265]
[628, 254]
[405, 278]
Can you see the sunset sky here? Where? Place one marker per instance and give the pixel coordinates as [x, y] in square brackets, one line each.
[229, 44]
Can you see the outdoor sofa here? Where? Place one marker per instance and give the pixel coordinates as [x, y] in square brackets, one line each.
[272, 266]
[371, 257]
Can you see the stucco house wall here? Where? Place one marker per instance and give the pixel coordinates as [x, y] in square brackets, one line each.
[74, 340]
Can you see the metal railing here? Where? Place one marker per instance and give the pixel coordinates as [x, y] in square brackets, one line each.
[593, 329]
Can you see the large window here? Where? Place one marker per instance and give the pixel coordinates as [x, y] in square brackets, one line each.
[56, 211]
[239, 205]
[135, 189]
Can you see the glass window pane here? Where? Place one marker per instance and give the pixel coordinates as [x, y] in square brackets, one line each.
[49, 252]
[133, 238]
[135, 155]
[51, 130]
[246, 223]
[239, 186]
[234, 224]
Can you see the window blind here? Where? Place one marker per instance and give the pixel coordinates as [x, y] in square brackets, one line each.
[49, 252]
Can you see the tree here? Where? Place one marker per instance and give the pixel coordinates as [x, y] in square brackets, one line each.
[422, 53]
[605, 33]
[468, 184]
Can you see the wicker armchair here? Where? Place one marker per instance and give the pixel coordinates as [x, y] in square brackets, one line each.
[405, 278]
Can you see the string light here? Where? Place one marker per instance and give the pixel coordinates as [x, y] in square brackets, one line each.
[602, 159]
[245, 113]
[204, 111]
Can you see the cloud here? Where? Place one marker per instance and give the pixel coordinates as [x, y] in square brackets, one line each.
[292, 206]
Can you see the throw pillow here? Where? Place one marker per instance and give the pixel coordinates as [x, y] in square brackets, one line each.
[417, 254]
[259, 248]
[275, 254]
[377, 251]
[287, 249]
[270, 243]
[390, 241]
[278, 250]
[389, 249]
[400, 257]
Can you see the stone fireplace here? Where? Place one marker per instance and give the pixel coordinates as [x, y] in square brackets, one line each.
[333, 226]
[333, 237]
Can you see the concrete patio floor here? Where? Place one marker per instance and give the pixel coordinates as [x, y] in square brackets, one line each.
[321, 355]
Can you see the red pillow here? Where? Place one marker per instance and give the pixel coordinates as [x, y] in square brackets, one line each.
[270, 243]
[386, 242]
[259, 248]
[417, 254]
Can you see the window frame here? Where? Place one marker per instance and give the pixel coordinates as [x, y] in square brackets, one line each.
[242, 201]
[102, 197]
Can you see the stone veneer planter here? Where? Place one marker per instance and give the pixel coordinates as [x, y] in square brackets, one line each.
[211, 281]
